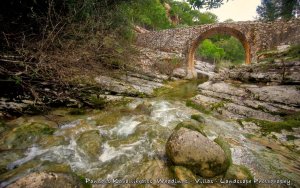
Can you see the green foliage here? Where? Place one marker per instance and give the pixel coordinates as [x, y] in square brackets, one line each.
[150, 14]
[233, 50]
[189, 16]
[293, 52]
[267, 10]
[271, 10]
[207, 18]
[222, 47]
[97, 102]
[209, 4]
[210, 51]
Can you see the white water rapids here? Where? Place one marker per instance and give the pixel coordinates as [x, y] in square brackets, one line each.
[138, 139]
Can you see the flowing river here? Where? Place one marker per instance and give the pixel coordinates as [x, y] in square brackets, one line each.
[127, 141]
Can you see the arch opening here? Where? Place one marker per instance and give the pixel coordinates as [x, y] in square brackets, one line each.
[191, 73]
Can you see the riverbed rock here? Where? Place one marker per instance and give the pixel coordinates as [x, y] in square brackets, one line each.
[237, 100]
[115, 85]
[204, 69]
[179, 73]
[43, 179]
[193, 150]
[271, 72]
[90, 143]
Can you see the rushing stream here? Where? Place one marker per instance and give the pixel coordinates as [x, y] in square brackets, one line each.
[128, 142]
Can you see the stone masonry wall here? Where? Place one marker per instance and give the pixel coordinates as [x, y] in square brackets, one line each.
[255, 36]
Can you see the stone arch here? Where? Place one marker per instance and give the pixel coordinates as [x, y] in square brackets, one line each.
[191, 73]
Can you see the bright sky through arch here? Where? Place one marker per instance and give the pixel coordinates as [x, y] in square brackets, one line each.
[238, 10]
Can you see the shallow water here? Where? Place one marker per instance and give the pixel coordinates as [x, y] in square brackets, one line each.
[128, 142]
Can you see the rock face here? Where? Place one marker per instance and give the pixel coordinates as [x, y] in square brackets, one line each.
[131, 85]
[204, 69]
[237, 100]
[262, 91]
[193, 150]
[275, 73]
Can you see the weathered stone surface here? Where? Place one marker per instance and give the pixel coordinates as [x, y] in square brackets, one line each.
[204, 69]
[43, 179]
[179, 73]
[193, 150]
[132, 84]
[223, 88]
[275, 73]
[143, 85]
[248, 100]
[114, 85]
[287, 95]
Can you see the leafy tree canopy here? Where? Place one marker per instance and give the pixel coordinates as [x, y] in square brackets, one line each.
[271, 10]
[208, 4]
[189, 16]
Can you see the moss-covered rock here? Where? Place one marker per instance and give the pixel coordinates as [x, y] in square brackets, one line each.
[90, 143]
[199, 107]
[7, 157]
[226, 148]
[191, 149]
[56, 167]
[77, 111]
[17, 170]
[290, 122]
[239, 172]
[197, 117]
[48, 141]
[184, 174]
[25, 135]
[2, 127]
[192, 125]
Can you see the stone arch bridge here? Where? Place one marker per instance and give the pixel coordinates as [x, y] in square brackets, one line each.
[255, 36]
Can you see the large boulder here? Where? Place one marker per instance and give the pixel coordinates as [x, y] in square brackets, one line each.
[191, 149]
